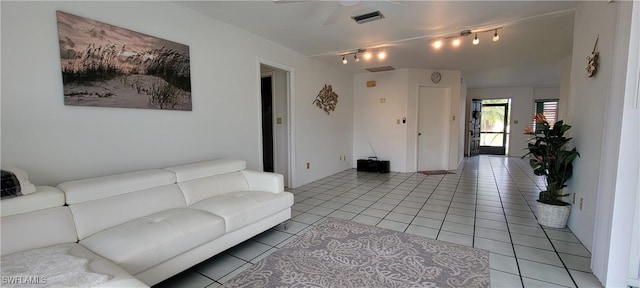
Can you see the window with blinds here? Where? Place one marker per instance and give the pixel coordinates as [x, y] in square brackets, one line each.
[548, 108]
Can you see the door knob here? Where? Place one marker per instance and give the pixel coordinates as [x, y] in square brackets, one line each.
[419, 134]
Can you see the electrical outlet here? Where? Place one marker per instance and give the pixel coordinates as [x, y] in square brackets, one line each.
[308, 165]
[581, 201]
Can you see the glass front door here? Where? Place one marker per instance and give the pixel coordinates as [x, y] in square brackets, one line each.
[494, 129]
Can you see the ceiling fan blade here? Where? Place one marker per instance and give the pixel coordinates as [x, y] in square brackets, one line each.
[333, 18]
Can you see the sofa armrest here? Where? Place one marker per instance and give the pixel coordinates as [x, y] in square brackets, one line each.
[264, 181]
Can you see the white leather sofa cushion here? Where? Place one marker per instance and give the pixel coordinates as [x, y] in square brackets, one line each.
[206, 168]
[68, 265]
[203, 188]
[103, 187]
[44, 197]
[241, 208]
[36, 229]
[94, 216]
[264, 181]
[141, 243]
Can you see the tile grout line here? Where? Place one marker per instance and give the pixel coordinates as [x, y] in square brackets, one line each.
[424, 203]
[548, 238]
[545, 233]
[515, 256]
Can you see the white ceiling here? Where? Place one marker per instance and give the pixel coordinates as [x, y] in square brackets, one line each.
[534, 38]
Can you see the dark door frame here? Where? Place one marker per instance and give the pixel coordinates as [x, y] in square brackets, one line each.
[492, 149]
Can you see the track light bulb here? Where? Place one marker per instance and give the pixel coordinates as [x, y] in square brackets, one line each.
[456, 42]
[382, 55]
[355, 58]
[476, 40]
[495, 36]
[344, 60]
[367, 55]
[437, 44]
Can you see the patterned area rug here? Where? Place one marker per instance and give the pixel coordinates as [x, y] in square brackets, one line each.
[340, 253]
[435, 172]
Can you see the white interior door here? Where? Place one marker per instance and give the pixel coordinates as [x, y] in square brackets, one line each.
[434, 109]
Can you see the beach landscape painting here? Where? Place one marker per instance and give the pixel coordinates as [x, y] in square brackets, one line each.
[108, 66]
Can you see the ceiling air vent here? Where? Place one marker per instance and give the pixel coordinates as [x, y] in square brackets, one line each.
[368, 17]
[380, 69]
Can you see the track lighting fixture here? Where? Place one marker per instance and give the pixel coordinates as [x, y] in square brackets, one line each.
[437, 43]
[367, 55]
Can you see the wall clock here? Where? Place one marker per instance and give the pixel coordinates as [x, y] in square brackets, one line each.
[436, 77]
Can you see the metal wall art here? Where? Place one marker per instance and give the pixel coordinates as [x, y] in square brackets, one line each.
[326, 99]
[592, 64]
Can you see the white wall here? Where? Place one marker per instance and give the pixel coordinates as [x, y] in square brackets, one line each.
[521, 112]
[281, 140]
[587, 110]
[546, 93]
[55, 143]
[565, 87]
[377, 122]
[604, 111]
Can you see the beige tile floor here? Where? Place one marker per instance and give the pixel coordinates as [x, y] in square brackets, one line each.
[488, 203]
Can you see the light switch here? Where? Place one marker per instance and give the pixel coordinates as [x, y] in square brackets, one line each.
[515, 122]
[398, 121]
[383, 100]
[279, 120]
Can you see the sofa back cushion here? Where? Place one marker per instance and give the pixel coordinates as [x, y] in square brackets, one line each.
[104, 187]
[44, 197]
[36, 229]
[207, 168]
[203, 180]
[100, 203]
[203, 188]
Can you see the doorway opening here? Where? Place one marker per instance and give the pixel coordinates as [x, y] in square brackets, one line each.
[275, 120]
[494, 126]
[266, 89]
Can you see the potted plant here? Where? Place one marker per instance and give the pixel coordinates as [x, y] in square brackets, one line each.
[550, 158]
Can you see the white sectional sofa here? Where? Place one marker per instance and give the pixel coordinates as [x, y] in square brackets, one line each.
[153, 224]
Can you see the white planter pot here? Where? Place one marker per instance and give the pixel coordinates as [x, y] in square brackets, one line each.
[553, 216]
